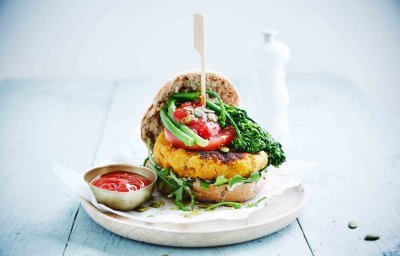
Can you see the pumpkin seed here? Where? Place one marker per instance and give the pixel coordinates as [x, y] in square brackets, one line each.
[206, 110]
[224, 149]
[155, 205]
[141, 209]
[198, 112]
[188, 118]
[188, 109]
[212, 117]
[352, 224]
[371, 237]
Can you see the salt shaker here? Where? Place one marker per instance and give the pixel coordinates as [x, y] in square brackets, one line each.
[267, 95]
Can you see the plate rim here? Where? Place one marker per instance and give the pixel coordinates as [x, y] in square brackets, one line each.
[86, 205]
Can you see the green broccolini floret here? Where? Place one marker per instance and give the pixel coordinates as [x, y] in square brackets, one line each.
[252, 138]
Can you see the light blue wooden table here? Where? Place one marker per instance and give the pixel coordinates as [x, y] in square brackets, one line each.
[77, 123]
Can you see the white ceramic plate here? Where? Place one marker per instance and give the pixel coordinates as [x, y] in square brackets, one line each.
[279, 212]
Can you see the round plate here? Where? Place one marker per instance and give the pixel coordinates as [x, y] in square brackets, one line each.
[280, 211]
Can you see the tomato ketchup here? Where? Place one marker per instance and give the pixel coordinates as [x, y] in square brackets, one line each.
[121, 181]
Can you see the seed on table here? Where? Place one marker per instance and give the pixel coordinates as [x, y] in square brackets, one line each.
[352, 224]
[198, 112]
[371, 237]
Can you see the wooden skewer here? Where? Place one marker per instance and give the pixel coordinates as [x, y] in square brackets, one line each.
[198, 28]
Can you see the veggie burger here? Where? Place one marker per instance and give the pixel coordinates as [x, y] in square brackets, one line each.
[212, 152]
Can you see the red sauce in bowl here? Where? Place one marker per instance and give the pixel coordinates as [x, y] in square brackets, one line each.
[121, 181]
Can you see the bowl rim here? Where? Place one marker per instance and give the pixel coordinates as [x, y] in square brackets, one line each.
[120, 165]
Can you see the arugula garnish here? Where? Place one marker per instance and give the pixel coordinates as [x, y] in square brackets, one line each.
[184, 186]
[254, 177]
[177, 188]
[233, 204]
[220, 180]
[230, 204]
[162, 174]
[255, 204]
[203, 184]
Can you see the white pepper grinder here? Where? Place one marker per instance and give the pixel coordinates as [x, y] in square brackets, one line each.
[267, 97]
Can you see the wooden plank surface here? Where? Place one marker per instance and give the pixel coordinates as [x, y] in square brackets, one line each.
[42, 122]
[357, 146]
[130, 101]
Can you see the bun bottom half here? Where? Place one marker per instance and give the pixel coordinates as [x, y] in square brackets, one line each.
[239, 193]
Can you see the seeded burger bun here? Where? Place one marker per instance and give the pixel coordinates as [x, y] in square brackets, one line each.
[205, 165]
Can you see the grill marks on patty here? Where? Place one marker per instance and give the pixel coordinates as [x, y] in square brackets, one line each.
[225, 158]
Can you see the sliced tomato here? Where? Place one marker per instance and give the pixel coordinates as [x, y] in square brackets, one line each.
[202, 125]
[222, 139]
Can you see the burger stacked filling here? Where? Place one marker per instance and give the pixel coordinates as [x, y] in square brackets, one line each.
[210, 145]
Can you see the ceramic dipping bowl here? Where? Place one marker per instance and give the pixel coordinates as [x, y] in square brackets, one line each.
[122, 201]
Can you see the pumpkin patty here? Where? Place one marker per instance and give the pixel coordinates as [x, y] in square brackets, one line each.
[206, 165]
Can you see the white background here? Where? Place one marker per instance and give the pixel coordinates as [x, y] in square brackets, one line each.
[354, 40]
